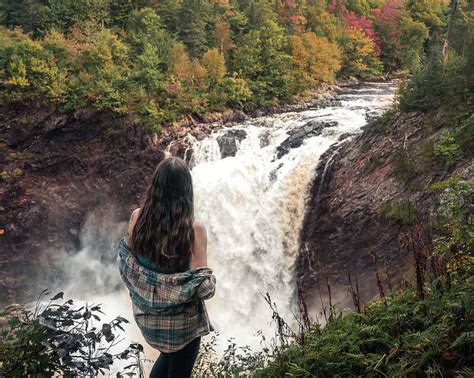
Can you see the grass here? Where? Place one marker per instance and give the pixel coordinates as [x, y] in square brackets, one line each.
[399, 335]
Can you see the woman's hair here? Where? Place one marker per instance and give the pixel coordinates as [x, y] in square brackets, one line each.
[164, 233]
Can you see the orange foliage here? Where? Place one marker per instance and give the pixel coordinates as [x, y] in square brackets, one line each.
[315, 58]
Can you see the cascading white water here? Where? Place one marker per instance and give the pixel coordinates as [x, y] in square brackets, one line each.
[252, 205]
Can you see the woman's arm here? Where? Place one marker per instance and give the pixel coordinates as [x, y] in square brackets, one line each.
[199, 253]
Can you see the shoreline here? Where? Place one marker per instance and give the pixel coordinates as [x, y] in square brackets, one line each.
[210, 122]
[175, 138]
[200, 128]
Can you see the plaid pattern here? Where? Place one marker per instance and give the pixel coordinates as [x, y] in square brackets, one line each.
[168, 308]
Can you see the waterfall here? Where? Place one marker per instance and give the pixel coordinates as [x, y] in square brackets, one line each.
[252, 205]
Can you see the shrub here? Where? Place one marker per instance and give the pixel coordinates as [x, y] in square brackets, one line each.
[372, 162]
[235, 91]
[465, 138]
[27, 70]
[380, 124]
[454, 222]
[403, 213]
[59, 338]
[403, 165]
[447, 151]
[440, 84]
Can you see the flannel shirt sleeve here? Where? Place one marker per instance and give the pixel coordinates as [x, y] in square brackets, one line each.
[207, 288]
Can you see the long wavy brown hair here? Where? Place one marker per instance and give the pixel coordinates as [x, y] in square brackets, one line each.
[163, 233]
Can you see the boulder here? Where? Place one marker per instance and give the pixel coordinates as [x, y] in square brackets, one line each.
[228, 142]
[299, 134]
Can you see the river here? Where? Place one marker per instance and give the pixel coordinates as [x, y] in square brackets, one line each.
[252, 205]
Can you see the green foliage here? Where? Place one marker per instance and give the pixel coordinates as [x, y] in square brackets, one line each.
[440, 84]
[403, 165]
[235, 92]
[447, 151]
[380, 124]
[401, 335]
[397, 336]
[372, 162]
[403, 213]
[359, 55]
[123, 56]
[454, 223]
[60, 339]
[192, 25]
[413, 36]
[27, 69]
[465, 137]
[446, 84]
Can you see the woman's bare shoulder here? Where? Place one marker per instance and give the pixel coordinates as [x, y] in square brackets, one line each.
[200, 233]
[199, 227]
[131, 225]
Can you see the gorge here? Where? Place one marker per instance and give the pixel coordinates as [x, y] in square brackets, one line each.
[63, 223]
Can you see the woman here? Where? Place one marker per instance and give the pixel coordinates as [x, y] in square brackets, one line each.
[163, 262]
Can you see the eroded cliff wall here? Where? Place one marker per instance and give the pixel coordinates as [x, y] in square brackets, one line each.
[56, 168]
[343, 231]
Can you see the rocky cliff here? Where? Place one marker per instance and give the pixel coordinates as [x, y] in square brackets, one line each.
[344, 237]
[55, 168]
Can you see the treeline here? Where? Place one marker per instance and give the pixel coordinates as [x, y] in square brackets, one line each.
[162, 59]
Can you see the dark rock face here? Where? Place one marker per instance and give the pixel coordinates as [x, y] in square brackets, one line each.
[55, 170]
[228, 142]
[299, 134]
[342, 229]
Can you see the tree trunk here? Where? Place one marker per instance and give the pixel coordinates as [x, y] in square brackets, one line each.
[454, 6]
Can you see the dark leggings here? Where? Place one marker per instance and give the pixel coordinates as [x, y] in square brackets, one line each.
[177, 364]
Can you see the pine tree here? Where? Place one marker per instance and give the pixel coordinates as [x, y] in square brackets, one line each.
[192, 25]
[20, 13]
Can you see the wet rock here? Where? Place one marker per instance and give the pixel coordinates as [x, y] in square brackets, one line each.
[228, 142]
[371, 116]
[299, 134]
[181, 148]
[264, 139]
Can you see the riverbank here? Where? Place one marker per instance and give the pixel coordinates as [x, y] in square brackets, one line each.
[201, 126]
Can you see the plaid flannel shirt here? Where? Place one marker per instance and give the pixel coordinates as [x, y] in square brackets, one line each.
[168, 308]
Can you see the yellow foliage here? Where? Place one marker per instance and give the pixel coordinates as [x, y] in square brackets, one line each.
[222, 36]
[198, 74]
[19, 77]
[179, 63]
[214, 63]
[360, 52]
[316, 58]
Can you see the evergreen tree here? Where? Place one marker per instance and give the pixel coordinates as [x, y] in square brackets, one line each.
[193, 19]
[21, 13]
